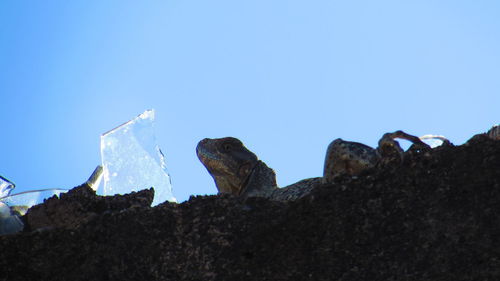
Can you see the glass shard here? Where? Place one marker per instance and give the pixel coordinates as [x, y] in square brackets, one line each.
[21, 202]
[434, 140]
[95, 179]
[12, 207]
[132, 160]
[9, 223]
[6, 187]
[494, 132]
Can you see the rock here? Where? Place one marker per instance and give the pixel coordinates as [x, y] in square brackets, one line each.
[434, 217]
[80, 205]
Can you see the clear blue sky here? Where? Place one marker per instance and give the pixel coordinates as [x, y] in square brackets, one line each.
[286, 77]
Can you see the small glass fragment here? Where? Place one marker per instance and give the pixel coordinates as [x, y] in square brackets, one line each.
[434, 140]
[9, 222]
[95, 179]
[494, 132]
[6, 187]
[21, 202]
[132, 160]
[12, 207]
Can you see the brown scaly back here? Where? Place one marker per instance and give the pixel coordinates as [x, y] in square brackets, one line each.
[352, 158]
[347, 157]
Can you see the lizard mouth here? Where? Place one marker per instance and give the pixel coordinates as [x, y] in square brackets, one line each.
[209, 159]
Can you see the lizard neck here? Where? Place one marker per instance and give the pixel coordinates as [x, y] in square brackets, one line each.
[261, 182]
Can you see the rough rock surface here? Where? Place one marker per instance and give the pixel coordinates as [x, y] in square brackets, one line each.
[435, 217]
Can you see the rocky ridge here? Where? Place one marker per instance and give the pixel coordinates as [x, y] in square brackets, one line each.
[434, 217]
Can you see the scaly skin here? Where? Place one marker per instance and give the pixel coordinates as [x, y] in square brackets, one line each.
[228, 161]
[236, 170]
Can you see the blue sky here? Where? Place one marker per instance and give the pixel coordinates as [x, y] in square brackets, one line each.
[286, 77]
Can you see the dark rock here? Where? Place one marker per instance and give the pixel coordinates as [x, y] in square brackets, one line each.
[434, 217]
[80, 205]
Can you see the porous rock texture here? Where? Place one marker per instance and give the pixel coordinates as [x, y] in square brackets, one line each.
[434, 217]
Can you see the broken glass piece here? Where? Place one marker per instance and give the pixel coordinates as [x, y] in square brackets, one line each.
[132, 160]
[95, 179]
[434, 140]
[494, 132]
[21, 202]
[9, 222]
[6, 187]
[12, 207]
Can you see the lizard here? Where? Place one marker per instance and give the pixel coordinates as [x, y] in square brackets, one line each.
[238, 171]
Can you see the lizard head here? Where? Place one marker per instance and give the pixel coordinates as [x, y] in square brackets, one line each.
[228, 161]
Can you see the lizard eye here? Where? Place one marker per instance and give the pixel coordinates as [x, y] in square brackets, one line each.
[227, 147]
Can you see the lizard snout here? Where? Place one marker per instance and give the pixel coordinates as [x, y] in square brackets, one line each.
[203, 149]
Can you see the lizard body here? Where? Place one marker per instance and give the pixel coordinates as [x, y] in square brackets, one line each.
[236, 170]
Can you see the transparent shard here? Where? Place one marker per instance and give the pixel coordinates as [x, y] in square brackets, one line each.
[95, 179]
[21, 202]
[9, 222]
[132, 160]
[434, 140]
[6, 187]
[12, 207]
[494, 132]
